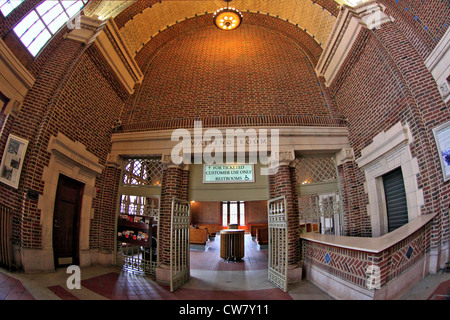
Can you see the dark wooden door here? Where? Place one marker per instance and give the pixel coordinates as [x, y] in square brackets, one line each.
[66, 221]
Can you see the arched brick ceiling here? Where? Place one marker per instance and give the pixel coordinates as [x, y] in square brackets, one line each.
[140, 20]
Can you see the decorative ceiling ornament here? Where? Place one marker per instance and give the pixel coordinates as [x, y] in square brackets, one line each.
[227, 18]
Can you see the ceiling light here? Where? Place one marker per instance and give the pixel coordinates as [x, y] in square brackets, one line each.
[227, 18]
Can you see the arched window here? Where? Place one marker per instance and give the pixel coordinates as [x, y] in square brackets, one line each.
[7, 6]
[37, 28]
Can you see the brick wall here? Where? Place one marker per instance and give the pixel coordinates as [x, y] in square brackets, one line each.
[269, 67]
[210, 74]
[422, 22]
[174, 181]
[351, 265]
[354, 200]
[206, 212]
[74, 94]
[284, 181]
[383, 81]
[256, 211]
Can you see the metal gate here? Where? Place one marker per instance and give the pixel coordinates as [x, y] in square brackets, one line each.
[179, 244]
[278, 255]
[6, 215]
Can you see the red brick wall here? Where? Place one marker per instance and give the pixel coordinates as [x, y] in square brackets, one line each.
[173, 181]
[76, 95]
[351, 265]
[354, 200]
[206, 212]
[422, 22]
[256, 211]
[284, 181]
[210, 74]
[384, 81]
[269, 72]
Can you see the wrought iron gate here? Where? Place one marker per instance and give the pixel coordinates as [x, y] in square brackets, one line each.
[278, 259]
[179, 244]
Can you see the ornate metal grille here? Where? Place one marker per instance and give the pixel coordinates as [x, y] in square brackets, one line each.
[135, 258]
[142, 206]
[321, 213]
[277, 268]
[179, 244]
[142, 172]
[314, 169]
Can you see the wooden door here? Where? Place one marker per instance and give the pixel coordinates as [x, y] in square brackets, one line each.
[66, 221]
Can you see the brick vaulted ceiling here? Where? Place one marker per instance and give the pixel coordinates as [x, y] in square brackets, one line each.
[140, 20]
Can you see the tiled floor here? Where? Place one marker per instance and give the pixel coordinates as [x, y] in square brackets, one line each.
[254, 259]
[211, 279]
[12, 289]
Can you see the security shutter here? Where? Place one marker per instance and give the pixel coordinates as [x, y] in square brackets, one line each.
[394, 189]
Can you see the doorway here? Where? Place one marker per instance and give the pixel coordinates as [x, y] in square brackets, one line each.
[66, 221]
[215, 216]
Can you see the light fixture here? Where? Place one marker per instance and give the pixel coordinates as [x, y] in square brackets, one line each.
[227, 18]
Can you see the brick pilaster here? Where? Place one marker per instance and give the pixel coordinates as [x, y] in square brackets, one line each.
[174, 184]
[283, 185]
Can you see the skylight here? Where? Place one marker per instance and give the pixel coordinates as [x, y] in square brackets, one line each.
[44, 21]
[7, 6]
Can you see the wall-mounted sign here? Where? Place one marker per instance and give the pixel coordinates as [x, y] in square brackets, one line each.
[442, 136]
[228, 173]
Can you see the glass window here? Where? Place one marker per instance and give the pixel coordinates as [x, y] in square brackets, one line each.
[241, 213]
[233, 212]
[47, 6]
[224, 213]
[146, 172]
[26, 24]
[37, 28]
[39, 42]
[7, 6]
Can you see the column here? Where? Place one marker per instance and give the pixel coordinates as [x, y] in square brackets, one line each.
[283, 180]
[175, 183]
[351, 195]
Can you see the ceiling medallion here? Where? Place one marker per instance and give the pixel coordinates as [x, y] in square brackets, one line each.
[227, 18]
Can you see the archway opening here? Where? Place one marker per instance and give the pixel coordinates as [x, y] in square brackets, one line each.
[209, 218]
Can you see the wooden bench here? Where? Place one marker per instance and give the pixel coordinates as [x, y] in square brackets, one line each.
[262, 237]
[213, 229]
[198, 236]
[255, 226]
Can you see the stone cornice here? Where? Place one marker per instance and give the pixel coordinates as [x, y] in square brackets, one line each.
[109, 42]
[349, 23]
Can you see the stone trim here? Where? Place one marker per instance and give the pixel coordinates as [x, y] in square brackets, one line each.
[350, 21]
[388, 151]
